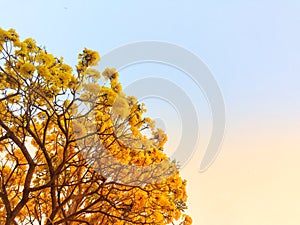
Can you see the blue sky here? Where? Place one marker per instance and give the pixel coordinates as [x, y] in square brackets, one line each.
[252, 48]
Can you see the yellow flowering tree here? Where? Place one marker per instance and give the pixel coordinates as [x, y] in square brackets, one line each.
[74, 149]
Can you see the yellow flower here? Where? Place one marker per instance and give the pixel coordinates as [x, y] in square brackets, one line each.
[92, 73]
[31, 44]
[92, 88]
[44, 72]
[86, 59]
[3, 36]
[121, 107]
[110, 73]
[92, 56]
[27, 69]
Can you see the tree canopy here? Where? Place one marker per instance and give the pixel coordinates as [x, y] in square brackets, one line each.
[75, 149]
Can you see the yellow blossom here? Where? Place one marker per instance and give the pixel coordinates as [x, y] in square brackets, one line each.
[27, 69]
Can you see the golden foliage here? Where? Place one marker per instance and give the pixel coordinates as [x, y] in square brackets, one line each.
[64, 165]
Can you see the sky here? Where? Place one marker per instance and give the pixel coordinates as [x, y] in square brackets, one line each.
[251, 47]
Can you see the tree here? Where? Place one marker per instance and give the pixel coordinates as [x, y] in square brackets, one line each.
[74, 149]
